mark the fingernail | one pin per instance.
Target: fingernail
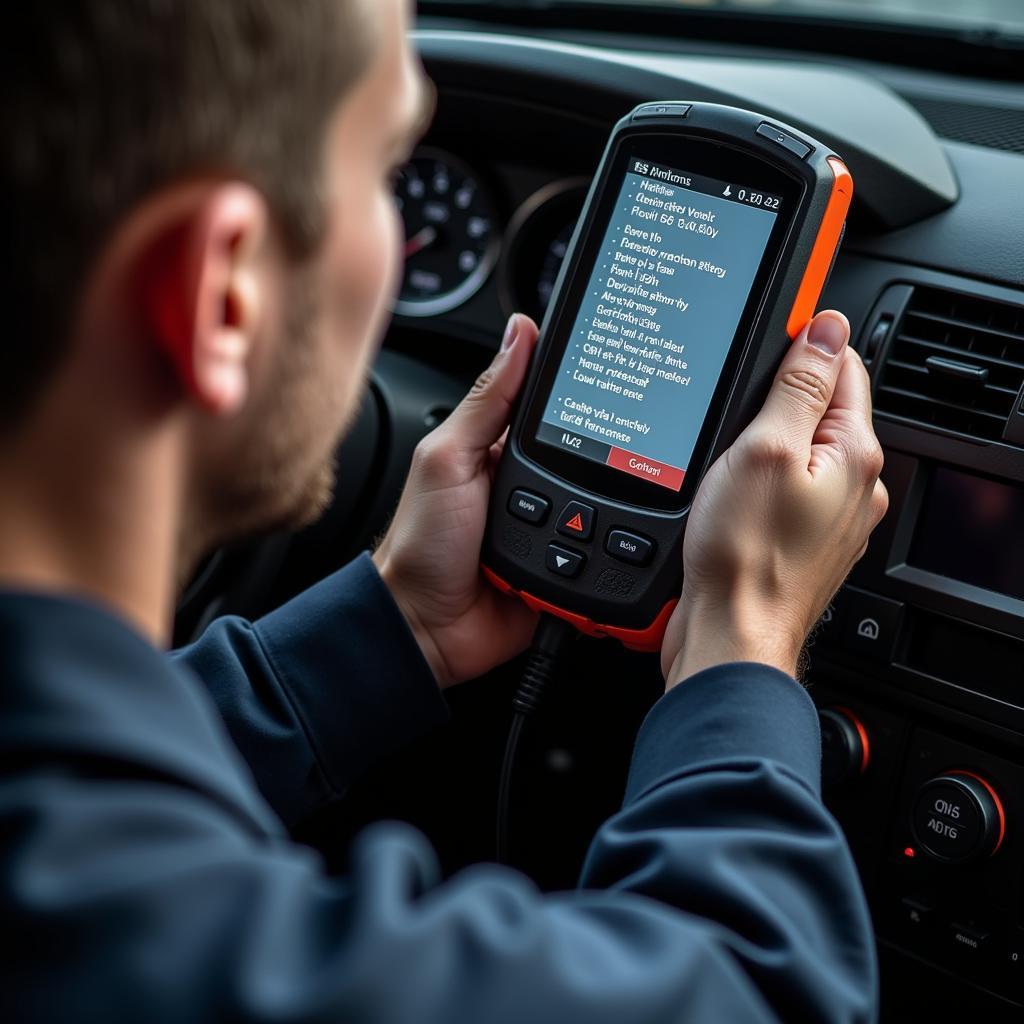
(827, 334)
(511, 333)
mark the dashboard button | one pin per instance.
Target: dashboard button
(629, 547)
(661, 110)
(577, 521)
(916, 914)
(564, 561)
(828, 629)
(970, 940)
(958, 818)
(531, 508)
(784, 139)
(845, 749)
(870, 624)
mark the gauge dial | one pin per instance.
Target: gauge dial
(551, 263)
(538, 240)
(451, 237)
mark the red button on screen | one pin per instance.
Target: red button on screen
(647, 469)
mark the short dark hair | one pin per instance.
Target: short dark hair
(106, 101)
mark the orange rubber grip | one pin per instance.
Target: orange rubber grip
(823, 251)
(648, 639)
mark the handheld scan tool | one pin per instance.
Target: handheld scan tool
(703, 247)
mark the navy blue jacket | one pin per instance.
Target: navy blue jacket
(146, 872)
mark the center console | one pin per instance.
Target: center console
(918, 666)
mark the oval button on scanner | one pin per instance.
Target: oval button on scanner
(661, 110)
(629, 547)
(782, 138)
(531, 508)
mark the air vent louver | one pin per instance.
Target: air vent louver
(956, 363)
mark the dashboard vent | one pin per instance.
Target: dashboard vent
(956, 363)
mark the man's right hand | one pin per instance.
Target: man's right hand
(783, 515)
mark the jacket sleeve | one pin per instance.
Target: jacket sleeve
(722, 892)
(314, 693)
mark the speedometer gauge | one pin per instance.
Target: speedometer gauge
(451, 237)
(538, 239)
(551, 263)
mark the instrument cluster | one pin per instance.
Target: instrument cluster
(456, 238)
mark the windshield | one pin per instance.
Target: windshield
(998, 16)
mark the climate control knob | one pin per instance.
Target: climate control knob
(958, 818)
(845, 750)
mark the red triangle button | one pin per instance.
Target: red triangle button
(576, 521)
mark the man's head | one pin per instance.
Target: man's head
(202, 232)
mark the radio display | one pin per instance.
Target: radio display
(971, 530)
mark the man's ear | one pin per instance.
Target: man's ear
(202, 294)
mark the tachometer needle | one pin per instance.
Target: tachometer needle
(420, 241)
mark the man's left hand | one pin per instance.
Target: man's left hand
(430, 556)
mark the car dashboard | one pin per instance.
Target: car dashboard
(918, 666)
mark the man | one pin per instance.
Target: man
(204, 249)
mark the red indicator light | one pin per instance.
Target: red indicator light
(909, 851)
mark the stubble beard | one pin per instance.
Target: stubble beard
(271, 485)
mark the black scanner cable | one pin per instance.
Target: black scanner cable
(551, 640)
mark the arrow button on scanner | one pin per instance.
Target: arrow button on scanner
(564, 561)
(576, 521)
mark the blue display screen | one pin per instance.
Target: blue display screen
(664, 299)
